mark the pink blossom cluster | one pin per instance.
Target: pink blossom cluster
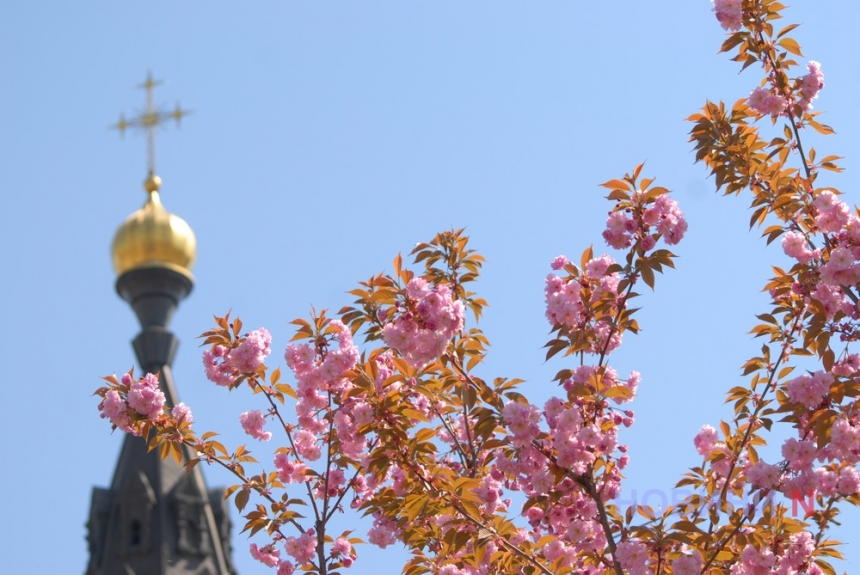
(633, 557)
(320, 371)
(845, 440)
(810, 85)
(114, 408)
(706, 440)
(797, 476)
(578, 432)
(342, 550)
(810, 390)
(420, 332)
(770, 102)
(728, 14)
(569, 302)
(224, 365)
(144, 397)
(290, 469)
(840, 266)
(384, 531)
(767, 103)
(646, 223)
(267, 555)
(687, 564)
(797, 246)
(831, 214)
(795, 558)
(302, 548)
(253, 422)
(182, 413)
(708, 446)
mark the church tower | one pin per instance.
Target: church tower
(156, 518)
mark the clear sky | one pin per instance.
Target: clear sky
(325, 138)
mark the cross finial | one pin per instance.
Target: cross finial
(150, 118)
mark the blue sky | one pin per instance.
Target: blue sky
(324, 139)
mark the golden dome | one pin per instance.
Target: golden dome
(152, 237)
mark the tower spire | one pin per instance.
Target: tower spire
(156, 519)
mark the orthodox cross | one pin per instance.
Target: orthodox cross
(149, 119)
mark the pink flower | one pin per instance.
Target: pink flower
(251, 353)
(849, 481)
(217, 371)
(705, 440)
(810, 85)
(558, 262)
(563, 303)
(794, 245)
(757, 561)
(669, 219)
(764, 475)
(848, 366)
(146, 397)
(342, 548)
(382, 534)
(286, 568)
(302, 548)
(840, 268)
(182, 412)
(267, 555)
(253, 422)
(766, 103)
(833, 214)
(633, 556)
(306, 445)
(618, 230)
(522, 420)
(290, 471)
(809, 390)
(115, 410)
(423, 335)
(687, 564)
(728, 14)
(845, 440)
(800, 550)
(799, 454)
(597, 267)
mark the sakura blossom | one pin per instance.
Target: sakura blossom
(146, 397)
(796, 246)
(253, 422)
(421, 334)
(767, 103)
(728, 13)
(810, 85)
(267, 555)
(303, 547)
(182, 413)
(809, 390)
(115, 409)
(633, 556)
(223, 365)
(705, 440)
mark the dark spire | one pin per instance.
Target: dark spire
(156, 518)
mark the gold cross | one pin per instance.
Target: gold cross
(149, 119)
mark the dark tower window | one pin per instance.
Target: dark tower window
(135, 531)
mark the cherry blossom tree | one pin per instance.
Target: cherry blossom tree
(470, 475)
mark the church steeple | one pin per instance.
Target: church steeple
(156, 519)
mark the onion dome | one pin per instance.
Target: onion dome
(152, 237)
